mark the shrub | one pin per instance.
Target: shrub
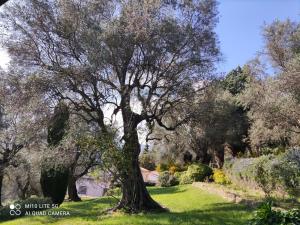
(161, 167)
(5, 211)
(114, 192)
(287, 171)
(280, 173)
(163, 179)
(220, 177)
(265, 215)
(263, 174)
(173, 181)
(173, 169)
(178, 175)
(198, 172)
(147, 161)
(166, 179)
(185, 178)
(54, 182)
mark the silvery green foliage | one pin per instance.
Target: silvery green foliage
(281, 42)
(273, 110)
(273, 102)
(23, 118)
(287, 170)
(271, 173)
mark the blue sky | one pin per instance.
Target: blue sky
(240, 26)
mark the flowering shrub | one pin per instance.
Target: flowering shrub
(173, 169)
(161, 167)
(220, 177)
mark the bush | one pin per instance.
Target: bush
(198, 172)
(287, 171)
(279, 173)
(166, 179)
(220, 177)
(5, 211)
(265, 215)
(173, 169)
(185, 178)
(173, 181)
(163, 179)
(54, 181)
(114, 192)
(263, 174)
(161, 167)
(147, 161)
(178, 175)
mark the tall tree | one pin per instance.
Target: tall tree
(274, 101)
(282, 42)
(235, 81)
(87, 145)
(117, 54)
(21, 123)
(9, 148)
(54, 175)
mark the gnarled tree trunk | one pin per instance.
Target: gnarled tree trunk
(135, 196)
(72, 190)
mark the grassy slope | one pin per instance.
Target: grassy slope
(187, 204)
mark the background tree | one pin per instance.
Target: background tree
(85, 145)
(147, 160)
(282, 42)
(219, 122)
(235, 81)
(55, 173)
(21, 123)
(274, 101)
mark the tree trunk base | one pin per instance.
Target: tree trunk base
(74, 199)
(72, 190)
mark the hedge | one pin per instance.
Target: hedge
(270, 173)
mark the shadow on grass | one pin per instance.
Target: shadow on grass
(89, 208)
(216, 214)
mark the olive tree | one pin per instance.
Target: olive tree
(138, 60)
(20, 123)
(273, 102)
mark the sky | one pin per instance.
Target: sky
(240, 28)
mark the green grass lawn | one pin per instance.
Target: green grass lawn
(187, 205)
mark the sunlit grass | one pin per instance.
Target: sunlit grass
(187, 205)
